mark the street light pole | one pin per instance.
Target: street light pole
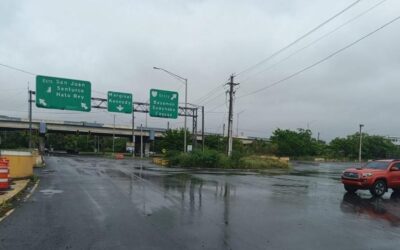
(185, 123)
(185, 81)
(359, 151)
(30, 118)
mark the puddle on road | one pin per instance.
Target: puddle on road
(51, 192)
(290, 185)
(48, 172)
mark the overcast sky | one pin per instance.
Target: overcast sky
(115, 44)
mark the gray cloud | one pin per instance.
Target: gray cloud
(115, 44)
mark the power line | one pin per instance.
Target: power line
(322, 60)
(30, 73)
(210, 93)
(17, 69)
(216, 112)
(316, 40)
(219, 105)
(12, 90)
(54, 113)
(203, 104)
(300, 38)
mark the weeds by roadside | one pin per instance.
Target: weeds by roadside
(215, 159)
(13, 202)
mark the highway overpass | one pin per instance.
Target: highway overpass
(77, 127)
(15, 123)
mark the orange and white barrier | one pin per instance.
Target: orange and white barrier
(4, 174)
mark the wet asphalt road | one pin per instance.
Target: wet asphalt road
(93, 203)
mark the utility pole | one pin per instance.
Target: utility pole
(230, 115)
(223, 130)
(359, 151)
(30, 117)
(194, 128)
(168, 125)
(318, 138)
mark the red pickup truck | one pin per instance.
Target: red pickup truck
(376, 176)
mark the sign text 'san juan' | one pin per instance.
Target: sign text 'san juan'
(61, 93)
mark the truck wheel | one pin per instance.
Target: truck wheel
(350, 189)
(379, 188)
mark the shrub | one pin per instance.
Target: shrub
(197, 158)
(256, 162)
(214, 159)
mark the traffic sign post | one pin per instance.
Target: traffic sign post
(163, 103)
(61, 93)
(119, 102)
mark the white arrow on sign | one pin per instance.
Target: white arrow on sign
(173, 96)
(83, 105)
(42, 102)
(120, 108)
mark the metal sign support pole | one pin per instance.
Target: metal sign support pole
(133, 132)
(30, 118)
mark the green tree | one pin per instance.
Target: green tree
(173, 140)
(294, 143)
(374, 147)
(215, 142)
(16, 139)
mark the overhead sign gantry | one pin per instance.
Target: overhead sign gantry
(75, 95)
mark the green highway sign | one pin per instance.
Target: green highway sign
(61, 93)
(119, 102)
(163, 103)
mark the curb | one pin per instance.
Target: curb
(12, 198)
(32, 190)
(7, 214)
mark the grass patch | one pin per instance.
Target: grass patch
(215, 159)
(5, 207)
(14, 201)
(196, 159)
(34, 178)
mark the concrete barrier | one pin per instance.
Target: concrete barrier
(21, 163)
(282, 159)
(160, 161)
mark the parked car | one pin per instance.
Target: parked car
(376, 176)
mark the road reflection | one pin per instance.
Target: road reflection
(373, 207)
(187, 191)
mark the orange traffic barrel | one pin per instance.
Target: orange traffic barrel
(4, 174)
